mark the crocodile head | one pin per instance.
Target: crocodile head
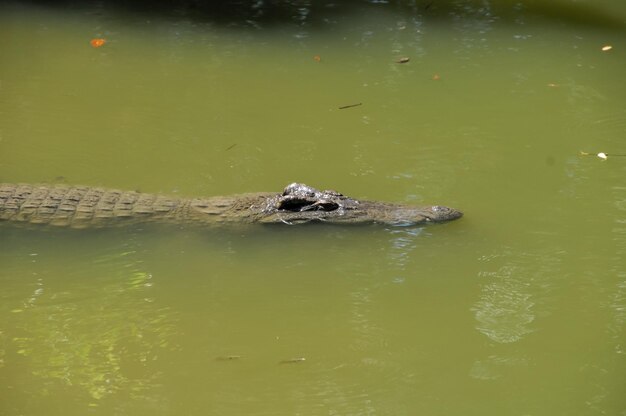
(301, 203)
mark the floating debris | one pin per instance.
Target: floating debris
(403, 60)
(602, 155)
(436, 77)
(606, 48)
(553, 85)
(96, 43)
(343, 107)
(317, 58)
(229, 357)
(293, 360)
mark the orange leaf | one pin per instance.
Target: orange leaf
(96, 43)
(317, 58)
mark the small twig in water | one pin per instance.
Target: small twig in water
(292, 360)
(228, 357)
(230, 147)
(350, 106)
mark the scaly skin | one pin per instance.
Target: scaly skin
(82, 207)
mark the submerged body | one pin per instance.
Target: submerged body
(82, 207)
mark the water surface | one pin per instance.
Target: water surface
(518, 308)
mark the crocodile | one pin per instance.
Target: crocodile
(93, 207)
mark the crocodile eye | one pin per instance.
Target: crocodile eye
(300, 189)
(289, 189)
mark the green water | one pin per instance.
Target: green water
(519, 308)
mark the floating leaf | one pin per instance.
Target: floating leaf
(96, 43)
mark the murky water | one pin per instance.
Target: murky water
(518, 308)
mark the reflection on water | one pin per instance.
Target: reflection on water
(513, 285)
(403, 243)
(494, 367)
(101, 335)
(617, 296)
(617, 303)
